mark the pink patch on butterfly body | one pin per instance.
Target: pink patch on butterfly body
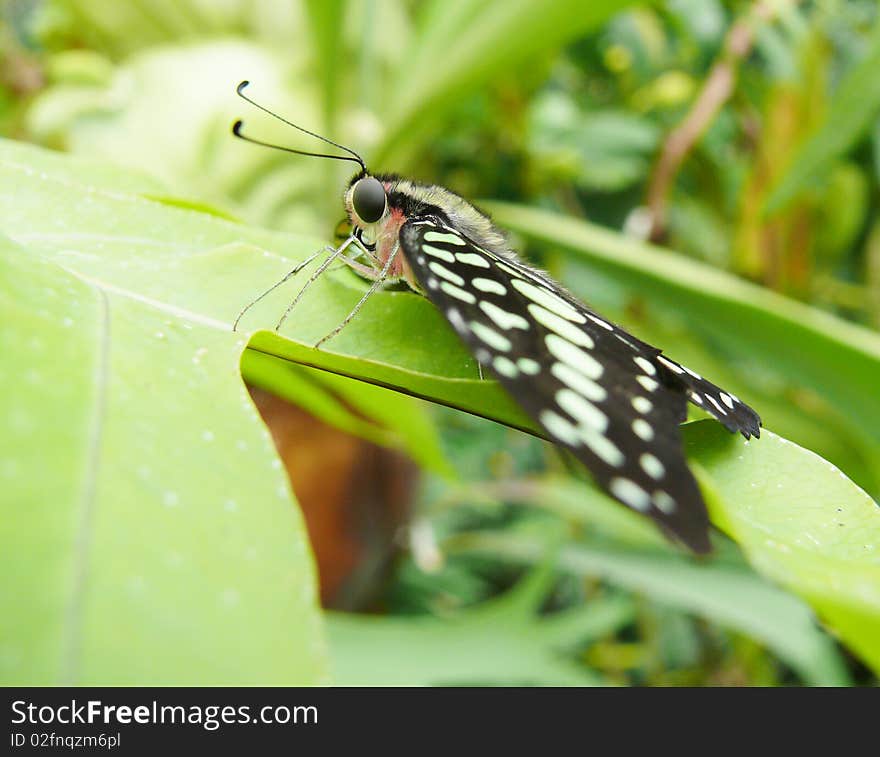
(387, 241)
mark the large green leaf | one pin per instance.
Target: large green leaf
(802, 523)
(502, 641)
(148, 531)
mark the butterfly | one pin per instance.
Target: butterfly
(612, 400)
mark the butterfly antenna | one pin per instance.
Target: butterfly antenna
(236, 130)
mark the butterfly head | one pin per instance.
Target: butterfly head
(376, 211)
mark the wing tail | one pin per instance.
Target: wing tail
(734, 414)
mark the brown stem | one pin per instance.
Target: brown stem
(715, 92)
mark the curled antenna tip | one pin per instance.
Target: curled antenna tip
(236, 127)
(241, 85)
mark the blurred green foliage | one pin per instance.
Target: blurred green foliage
(564, 106)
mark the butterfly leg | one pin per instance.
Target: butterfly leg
(334, 254)
(378, 281)
(368, 272)
(299, 266)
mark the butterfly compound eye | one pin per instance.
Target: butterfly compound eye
(369, 199)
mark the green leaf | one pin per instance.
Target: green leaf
(606, 150)
(301, 387)
(148, 532)
(802, 523)
(875, 148)
(185, 141)
(850, 113)
(407, 418)
(121, 29)
(572, 499)
(728, 595)
(371, 412)
(501, 641)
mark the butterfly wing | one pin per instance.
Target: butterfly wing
(733, 413)
(593, 388)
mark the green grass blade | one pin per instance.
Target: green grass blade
(730, 596)
(450, 60)
(850, 113)
(325, 19)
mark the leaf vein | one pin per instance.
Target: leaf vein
(74, 615)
